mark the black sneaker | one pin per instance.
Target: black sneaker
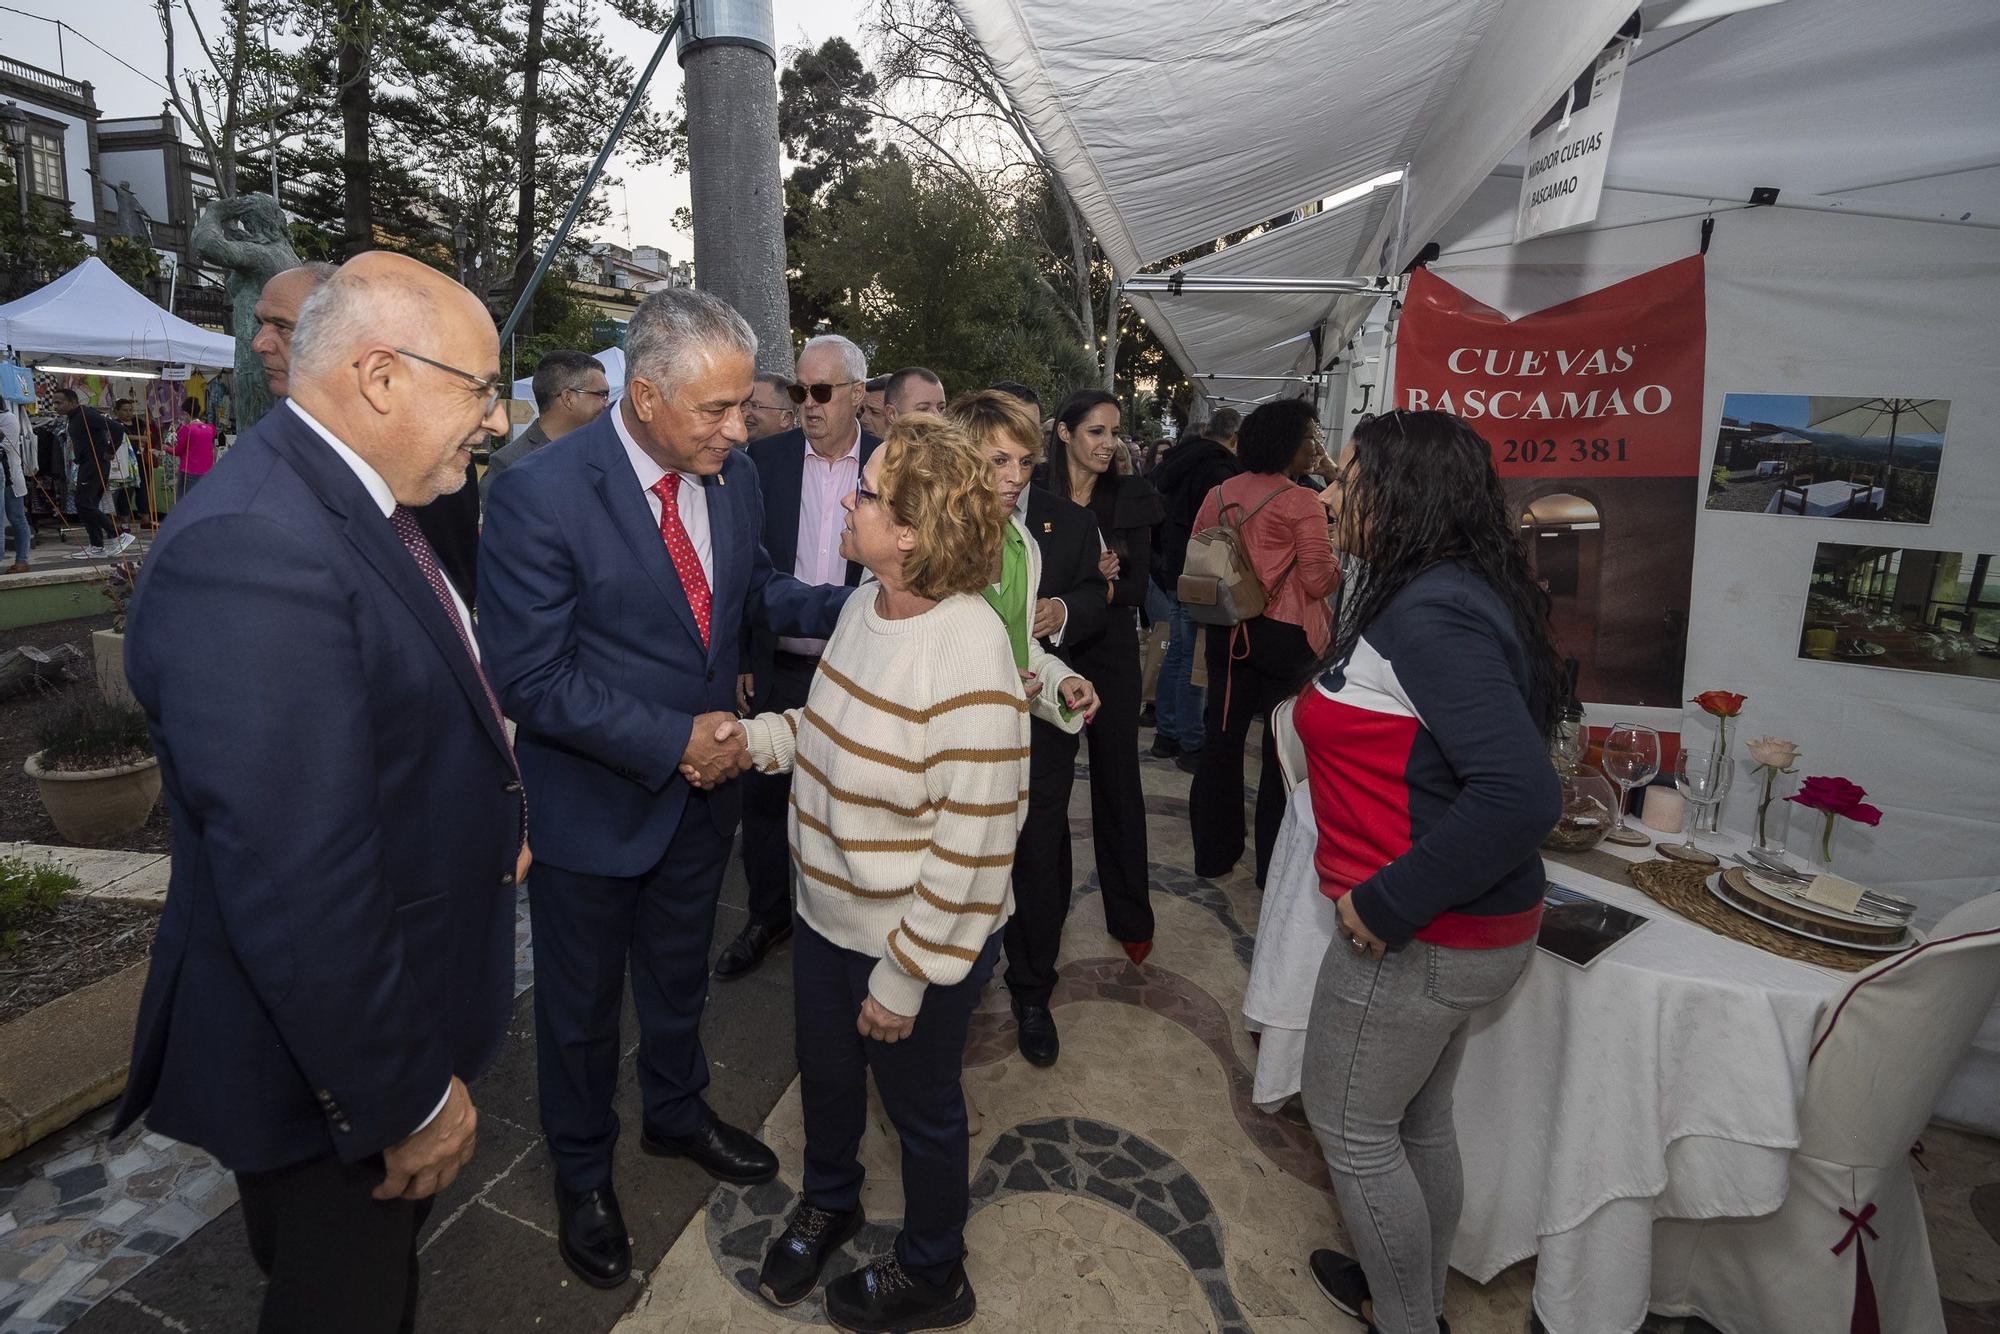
(1148, 715)
(880, 1298)
(1340, 1280)
(792, 1265)
(1164, 747)
(1188, 761)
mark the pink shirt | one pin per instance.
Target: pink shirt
(1288, 532)
(194, 446)
(823, 485)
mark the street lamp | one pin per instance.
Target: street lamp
(14, 122)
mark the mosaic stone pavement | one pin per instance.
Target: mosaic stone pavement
(80, 1213)
(1134, 1187)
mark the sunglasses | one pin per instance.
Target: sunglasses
(821, 393)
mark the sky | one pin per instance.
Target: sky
(128, 30)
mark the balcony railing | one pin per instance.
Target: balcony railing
(30, 74)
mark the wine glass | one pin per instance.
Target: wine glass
(1703, 779)
(1631, 757)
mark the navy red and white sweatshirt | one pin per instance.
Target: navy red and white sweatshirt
(1431, 782)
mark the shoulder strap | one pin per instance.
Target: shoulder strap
(1252, 512)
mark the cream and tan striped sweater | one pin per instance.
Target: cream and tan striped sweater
(909, 786)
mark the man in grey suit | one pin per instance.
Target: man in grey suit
(570, 391)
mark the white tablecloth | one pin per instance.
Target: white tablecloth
(1829, 498)
(1770, 467)
(1662, 1081)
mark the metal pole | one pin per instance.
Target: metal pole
(590, 181)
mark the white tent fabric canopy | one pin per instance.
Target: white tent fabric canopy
(611, 358)
(1171, 135)
(93, 314)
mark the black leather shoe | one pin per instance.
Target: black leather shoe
(792, 1265)
(1148, 715)
(880, 1298)
(743, 954)
(719, 1149)
(1164, 747)
(590, 1233)
(1035, 1031)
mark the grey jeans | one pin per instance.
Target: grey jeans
(1382, 1050)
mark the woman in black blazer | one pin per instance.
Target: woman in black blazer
(1082, 468)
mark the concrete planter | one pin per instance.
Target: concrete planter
(107, 650)
(94, 805)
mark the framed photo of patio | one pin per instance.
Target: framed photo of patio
(1904, 608)
(1827, 457)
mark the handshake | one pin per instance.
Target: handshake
(717, 750)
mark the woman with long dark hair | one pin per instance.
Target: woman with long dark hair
(1083, 468)
(1253, 666)
(1425, 728)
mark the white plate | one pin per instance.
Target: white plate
(1794, 893)
(1911, 937)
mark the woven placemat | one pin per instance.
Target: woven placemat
(1681, 887)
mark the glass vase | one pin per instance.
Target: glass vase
(1774, 812)
(1817, 840)
(1708, 819)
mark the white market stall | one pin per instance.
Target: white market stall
(1877, 272)
(90, 313)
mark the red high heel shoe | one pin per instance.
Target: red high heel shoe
(1137, 950)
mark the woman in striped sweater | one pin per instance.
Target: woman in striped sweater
(910, 776)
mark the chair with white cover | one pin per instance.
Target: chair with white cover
(1847, 1251)
(1291, 749)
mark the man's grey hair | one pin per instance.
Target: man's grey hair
(675, 330)
(1225, 423)
(853, 361)
(348, 308)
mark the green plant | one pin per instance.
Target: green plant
(87, 731)
(29, 891)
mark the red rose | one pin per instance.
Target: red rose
(1864, 814)
(1836, 796)
(1721, 703)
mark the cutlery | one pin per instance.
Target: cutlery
(1886, 904)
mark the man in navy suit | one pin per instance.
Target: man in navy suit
(805, 475)
(336, 955)
(617, 570)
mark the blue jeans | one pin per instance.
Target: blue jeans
(1178, 701)
(17, 524)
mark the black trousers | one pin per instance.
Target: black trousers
(1043, 876)
(89, 494)
(336, 1260)
(767, 852)
(1279, 655)
(585, 927)
(919, 1082)
(1117, 801)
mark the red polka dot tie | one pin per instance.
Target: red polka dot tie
(679, 546)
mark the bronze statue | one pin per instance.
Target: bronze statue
(247, 237)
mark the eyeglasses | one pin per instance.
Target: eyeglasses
(594, 393)
(862, 493)
(491, 385)
(752, 405)
(821, 393)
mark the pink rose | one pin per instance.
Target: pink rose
(1773, 752)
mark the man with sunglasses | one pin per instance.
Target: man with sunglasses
(805, 474)
(570, 391)
(330, 973)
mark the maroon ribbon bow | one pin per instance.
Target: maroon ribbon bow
(1866, 1318)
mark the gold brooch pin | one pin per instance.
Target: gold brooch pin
(1048, 527)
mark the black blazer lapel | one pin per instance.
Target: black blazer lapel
(632, 515)
(729, 581)
(783, 483)
(375, 538)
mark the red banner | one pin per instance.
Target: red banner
(1593, 410)
(1607, 385)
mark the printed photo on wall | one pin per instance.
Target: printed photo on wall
(1829, 458)
(1905, 608)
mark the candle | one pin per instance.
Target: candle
(1664, 810)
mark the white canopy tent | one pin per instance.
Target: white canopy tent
(611, 358)
(92, 314)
